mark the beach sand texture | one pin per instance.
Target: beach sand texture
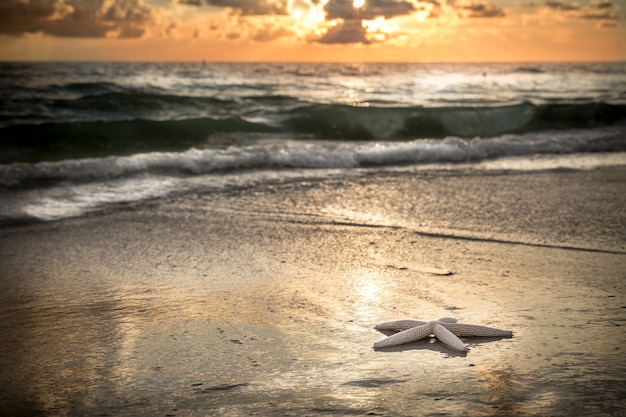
(263, 300)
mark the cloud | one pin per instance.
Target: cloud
(269, 33)
(602, 4)
(245, 7)
(482, 9)
(334, 9)
(601, 15)
(559, 5)
(476, 8)
(607, 25)
(597, 10)
(350, 31)
(127, 11)
(343, 9)
(75, 18)
(351, 28)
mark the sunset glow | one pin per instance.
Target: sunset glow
(313, 30)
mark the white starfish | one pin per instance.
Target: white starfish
(446, 330)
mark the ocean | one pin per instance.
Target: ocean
(78, 137)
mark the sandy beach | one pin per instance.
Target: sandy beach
(263, 300)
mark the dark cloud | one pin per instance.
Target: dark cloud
(245, 7)
(129, 11)
(597, 10)
(34, 9)
(559, 5)
(75, 18)
(350, 31)
(343, 9)
(600, 10)
(483, 10)
(600, 16)
(477, 8)
(602, 4)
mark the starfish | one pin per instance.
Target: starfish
(446, 330)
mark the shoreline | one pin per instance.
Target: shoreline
(264, 299)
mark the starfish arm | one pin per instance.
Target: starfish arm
(414, 333)
(447, 320)
(400, 325)
(474, 330)
(447, 337)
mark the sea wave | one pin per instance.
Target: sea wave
(529, 70)
(140, 101)
(292, 154)
(53, 141)
(88, 88)
(364, 122)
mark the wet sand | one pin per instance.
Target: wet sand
(263, 301)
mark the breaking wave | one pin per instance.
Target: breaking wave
(73, 140)
(293, 154)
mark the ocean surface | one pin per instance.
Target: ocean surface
(77, 137)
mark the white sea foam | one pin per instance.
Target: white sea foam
(293, 154)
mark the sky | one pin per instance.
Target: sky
(313, 30)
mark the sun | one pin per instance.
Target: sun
(358, 3)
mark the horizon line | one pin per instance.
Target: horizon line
(205, 61)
